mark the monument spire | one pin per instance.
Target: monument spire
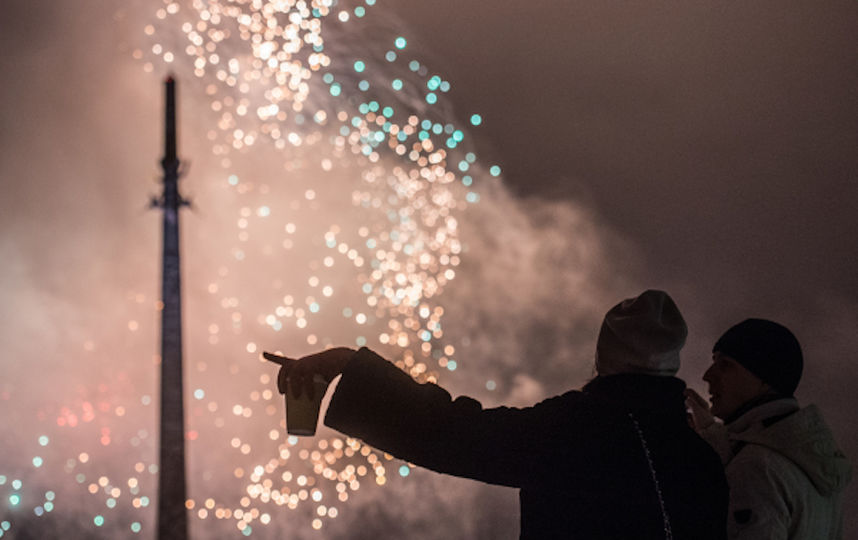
(172, 516)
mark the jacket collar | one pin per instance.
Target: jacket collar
(758, 414)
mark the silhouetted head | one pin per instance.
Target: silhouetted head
(641, 335)
(752, 359)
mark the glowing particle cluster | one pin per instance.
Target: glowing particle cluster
(353, 241)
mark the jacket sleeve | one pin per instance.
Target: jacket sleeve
(758, 498)
(420, 423)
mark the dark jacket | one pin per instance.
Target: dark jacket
(582, 459)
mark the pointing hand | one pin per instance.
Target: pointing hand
(297, 375)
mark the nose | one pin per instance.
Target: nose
(707, 376)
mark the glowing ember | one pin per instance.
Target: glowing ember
(353, 241)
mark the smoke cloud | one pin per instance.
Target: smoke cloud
(79, 154)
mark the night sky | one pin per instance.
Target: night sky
(704, 148)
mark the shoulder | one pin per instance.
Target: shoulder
(561, 406)
(756, 455)
(556, 417)
(756, 466)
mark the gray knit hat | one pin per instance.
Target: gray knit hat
(641, 335)
(766, 349)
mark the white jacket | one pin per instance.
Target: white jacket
(786, 478)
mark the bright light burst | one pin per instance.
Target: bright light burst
(351, 241)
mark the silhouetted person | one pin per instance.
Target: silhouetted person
(615, 460)
(785, 471)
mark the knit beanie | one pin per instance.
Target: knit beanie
(766, 349)
(641, 335)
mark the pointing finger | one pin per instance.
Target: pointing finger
(277, 359)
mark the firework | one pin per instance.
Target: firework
(350, 239)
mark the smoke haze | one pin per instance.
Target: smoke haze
(703, 149)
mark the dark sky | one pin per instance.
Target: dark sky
(720, 135)
(707, 148)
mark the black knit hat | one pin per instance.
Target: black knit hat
(766, 349)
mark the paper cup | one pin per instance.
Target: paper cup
(302, 413)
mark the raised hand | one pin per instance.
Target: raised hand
(700, 415)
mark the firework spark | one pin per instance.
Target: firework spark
(356, 235)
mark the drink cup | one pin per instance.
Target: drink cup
(302, 413)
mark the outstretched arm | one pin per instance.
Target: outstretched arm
(421, 423)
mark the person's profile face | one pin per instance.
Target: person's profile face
(731, 385)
